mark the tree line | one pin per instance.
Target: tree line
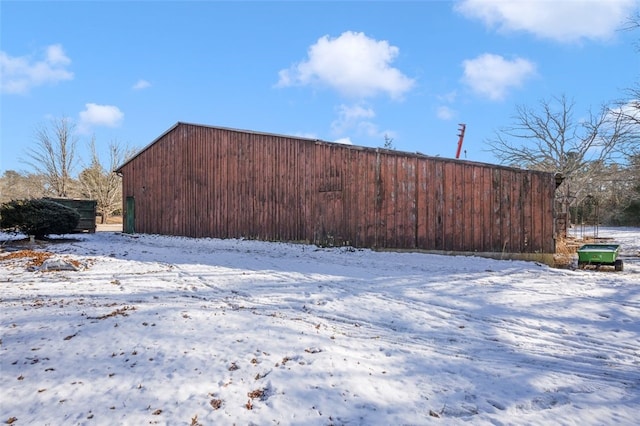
(54, 162)
(597, 155)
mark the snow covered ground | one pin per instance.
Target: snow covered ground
(169, 330)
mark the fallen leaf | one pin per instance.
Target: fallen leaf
(258, 393)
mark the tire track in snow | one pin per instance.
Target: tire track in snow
(591, 357)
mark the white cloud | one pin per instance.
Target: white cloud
(353, 64)
(629, 110)
(445, 113)
(357, 120)
(99, 115)
(56, 55)
(305, 135)
(353, 117)
(492, 75)
(449, 97)
(632, 109)
(141, 84)
(563, 21)
(344, 141)
(18, 75)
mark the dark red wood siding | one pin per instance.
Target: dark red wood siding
(204, 181)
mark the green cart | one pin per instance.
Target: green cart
(598, 255)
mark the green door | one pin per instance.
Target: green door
(129, 216)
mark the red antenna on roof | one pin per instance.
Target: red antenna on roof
(460, 138)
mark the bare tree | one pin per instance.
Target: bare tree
(54, 155)
(629, 110)
(552, 140)
(104, 185)
(621, 187)
(15, 185)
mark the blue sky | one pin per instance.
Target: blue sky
(338, 71)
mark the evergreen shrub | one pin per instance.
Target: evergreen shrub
(38, 217)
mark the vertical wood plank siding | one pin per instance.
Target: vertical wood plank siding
(204, 181)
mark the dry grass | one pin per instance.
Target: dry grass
(566, 249)
(32, 259)
(114, 220)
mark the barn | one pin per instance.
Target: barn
(205, 181)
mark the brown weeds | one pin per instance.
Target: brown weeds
(34, 258)
(256, 394)
(122, 311)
